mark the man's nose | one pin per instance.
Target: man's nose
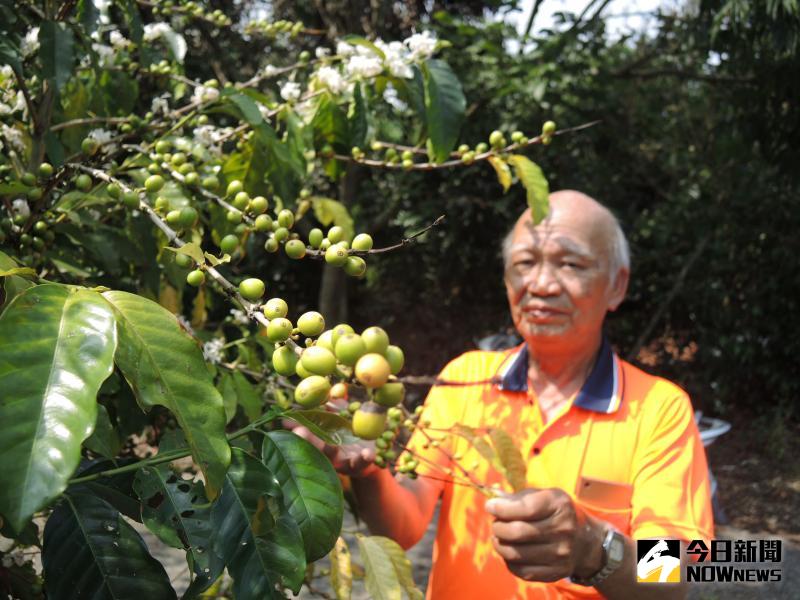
(542, 280)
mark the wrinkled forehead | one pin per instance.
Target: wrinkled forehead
(576, 235)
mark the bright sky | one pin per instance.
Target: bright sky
(620, 13)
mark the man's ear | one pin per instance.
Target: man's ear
(619, 288)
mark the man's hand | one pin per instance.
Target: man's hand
(543, 536)
(355, 460)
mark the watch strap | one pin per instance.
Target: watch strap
(609, 565)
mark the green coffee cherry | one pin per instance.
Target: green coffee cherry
(271, 245)
(396, 358)
(311, 323)
(229, 244)
(45, 170)
(338, 331)
(276, 308)
(284, 361)
(375, 339)
(211, 183)
(130, 199)
(372, 370)
(281, 234)
(363, 242)
(336, 256)
(318, 360)
(184, 261)
(315, 237)
(83, 182)
(195, 278)
(355, 266)
(258, 205)
(325, 340)
(349, 348)
(312, 391)
(234, 187)
(252, 289)
(295, 249)
(390, 394)
(154, 183)
(279, 329)
(549, 128)
(241, 200)
(89, 146)
(263, 223)
(28, 178)
(234, 217)
(188, 217)
(336, 234)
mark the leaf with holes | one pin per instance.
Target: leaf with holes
(165, 367)
(341, 570)
(173, 509)
(90, 551)
(56, 348)
(311, 489)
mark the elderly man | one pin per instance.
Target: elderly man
(612, 454)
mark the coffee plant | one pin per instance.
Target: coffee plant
(132, 195)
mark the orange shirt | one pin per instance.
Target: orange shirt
(626, 448)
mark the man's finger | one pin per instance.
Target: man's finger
(528, 505)
(544, 554)
(521, 532)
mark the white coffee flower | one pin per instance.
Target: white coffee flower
(205, 94)
(270, 71)
(184, 322)
(20, 207)
(422, 45)
(240, 317)
(14, 137)
(119, 41)
(102, 7)
(6, 71)
(103, 136)
(160, 105)
(30, 43)
(212, 351)
(153, 31)
(105, 54)
(290, 91)
(344, 49)
(322, 52)
(362, 66)
(332, 79)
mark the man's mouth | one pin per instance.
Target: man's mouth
(538, 313)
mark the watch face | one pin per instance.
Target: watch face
(616, 550)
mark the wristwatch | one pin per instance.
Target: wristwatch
(613, 553)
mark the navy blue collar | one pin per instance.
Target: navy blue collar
(602, 391)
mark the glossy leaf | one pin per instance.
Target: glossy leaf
(312, 492)
(90, 551)
(341, 570)
(116, 489)
(104, 439)
(165, 367)
(11, 284)
(536, 187)
(510, 458)
(175, 511)
(56, 348)
(57, 45)
(260, 543)
(444, 107)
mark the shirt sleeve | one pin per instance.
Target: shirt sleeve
(671, 490)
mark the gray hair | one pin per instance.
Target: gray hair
(620, 250)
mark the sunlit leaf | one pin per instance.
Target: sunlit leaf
(510, 458)
(536, 187)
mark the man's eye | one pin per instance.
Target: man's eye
(572, 265)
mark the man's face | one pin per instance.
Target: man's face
(558, 278)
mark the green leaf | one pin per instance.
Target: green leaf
(248, 396)
(104, 439)
(327, 426)
(536, 187)
(510, 458)
(116, 489)
(357, 118)
(283, 170)
(173, 509)
(12, 284)
(229, 398)
(88, 15)
(56, 348)
(502, 170)
(57, 41)
(19, 271)
(311, 489)
(249, 167)
(257, 557)
(192, 250)
(330, 124)
(341, 570)
(247, 108)
(217, 260)
(444, 107)
(90, 551)
(332, 212)
(165, 367)
(387, 569)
